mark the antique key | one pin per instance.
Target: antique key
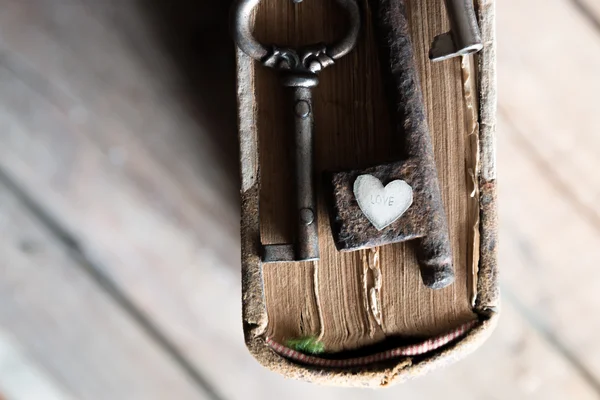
(397, 201)
(298, 69)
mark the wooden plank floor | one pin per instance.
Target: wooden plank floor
(119, 267)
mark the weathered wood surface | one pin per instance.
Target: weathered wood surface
(549, 105)
(68, 324)
(22, 378)
(128, 144)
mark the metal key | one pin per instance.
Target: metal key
(464, 36)
(298, 69)
(424, 220)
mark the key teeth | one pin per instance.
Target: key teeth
(442, 48)
(277, 253)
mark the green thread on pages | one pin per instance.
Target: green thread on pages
(309, 344)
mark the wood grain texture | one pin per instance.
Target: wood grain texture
(561, 129)
(550, 119)
(22, 378)
(353, 131)
(68, 325)
(88, 49)
(537, 280)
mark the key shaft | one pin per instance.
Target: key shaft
(307, 235)
(425, 220)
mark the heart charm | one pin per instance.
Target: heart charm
(382, 205)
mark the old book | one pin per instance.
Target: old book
(368, 309)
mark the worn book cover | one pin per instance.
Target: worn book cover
(365, 317)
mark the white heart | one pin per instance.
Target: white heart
(382, 205)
